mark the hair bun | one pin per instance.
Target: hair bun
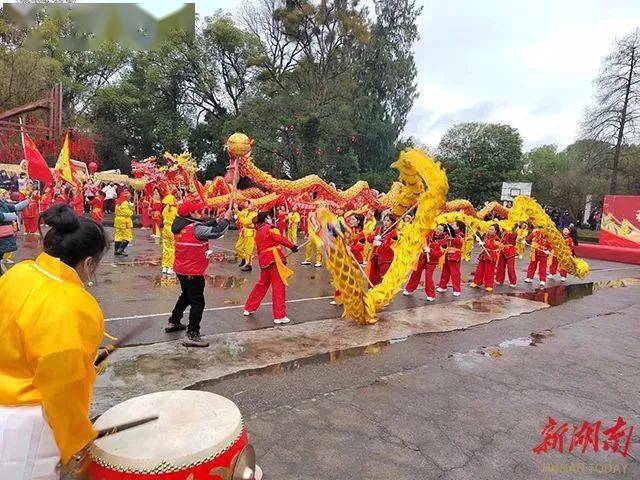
(62, 218)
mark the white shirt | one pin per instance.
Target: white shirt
(109, 192)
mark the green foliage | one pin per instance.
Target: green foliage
(478, 158)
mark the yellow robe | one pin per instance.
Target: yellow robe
(247, 238)
(122, 223)
(169, 214)
(51, 329)
(292, 231)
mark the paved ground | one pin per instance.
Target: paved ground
(456, 405)
(465, 404)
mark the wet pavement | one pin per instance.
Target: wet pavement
(132, 289)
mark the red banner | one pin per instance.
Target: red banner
(621, 221)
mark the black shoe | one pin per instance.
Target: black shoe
(194, 340)
(246, 268)
(174, 327)
(242, 263)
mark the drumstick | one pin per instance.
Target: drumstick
(485, 250)
(109, 349)
(125, 426)
(407, 211)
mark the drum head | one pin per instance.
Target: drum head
(192, 427)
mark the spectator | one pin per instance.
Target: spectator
(22, 182)
(110, 195)
(597, 217)
(573, 232)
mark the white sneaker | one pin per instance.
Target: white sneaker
(456, 294)
(305, 262)
(317, 265)
(528, 280)
(563, 279)
(246, 313)
(170, 272)
(407, 293)
(551, 276)
(441, 290)
(542, 284)
(333, 302)
(164, 270)
(430, 299)
(513, 285)
(280, 321)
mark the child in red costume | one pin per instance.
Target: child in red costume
(281, 224)
(553, 268)
(540, 251)
(489, 248)
(453, 256)
(47, 199)
(507, 258)
(30, 214)
(273, 270)
(434, 249)
(156, 213)
(97, 207)
(382, 240)
(145, 211)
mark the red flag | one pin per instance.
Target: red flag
(36, 166)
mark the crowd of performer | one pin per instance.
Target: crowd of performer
(370, 236)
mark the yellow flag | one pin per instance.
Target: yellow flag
(63, 166)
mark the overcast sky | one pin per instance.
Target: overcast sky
(526, 63)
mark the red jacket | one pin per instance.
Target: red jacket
(282, 222)
(438, 245)
(383, 253)
(570, 244)
(31, 210)
(539, 243)
(356, 245)
(190, 257)
(509, 240)
(266, 241)
(454, 247)
(489, 251)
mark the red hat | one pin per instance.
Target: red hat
(187, 208)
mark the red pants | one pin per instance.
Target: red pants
(553, 268)
(450, 270)
(146, 219)
(429, 284)
(30, 224)
(377, 271)
(269, 277)
(539, 263)
(485, 273)
(508, 264)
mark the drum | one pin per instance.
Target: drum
(197, 436)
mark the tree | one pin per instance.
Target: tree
(616, 116)
(479, 157)
(386, 90)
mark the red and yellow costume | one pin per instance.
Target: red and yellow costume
(281, 223)
(47, 199)
(451, 266)
(381, 255)
(311, 249)
(507, 259)
(273, 271)
(485, 272)
(540, 251)
(31, 214)
(78, 202)
(156, 217)
(122, 222)
(553, 268)
(428, 262)
(97, 208)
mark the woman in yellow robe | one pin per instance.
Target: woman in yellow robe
(122, 223)
(169, 213)
(246, 243)
(51, 328)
